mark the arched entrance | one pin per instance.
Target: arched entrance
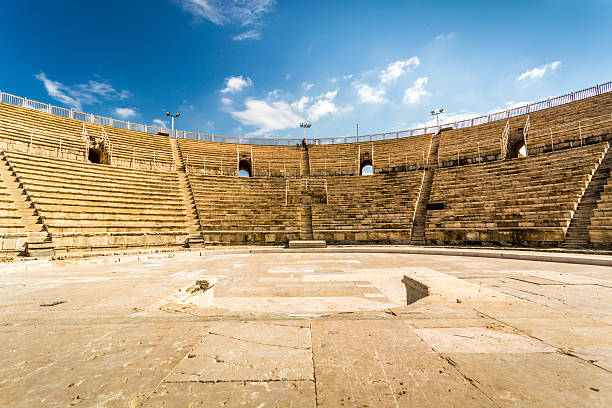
(95, 156)
(244, 168)
(366, 168)
(518, 149)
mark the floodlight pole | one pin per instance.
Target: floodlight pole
(176, 115)
(305, 126)
(437, 114)
(357, 131)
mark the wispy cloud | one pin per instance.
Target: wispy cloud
(161, 123)
(125, 113)
(76, 96)
(414, 94)
(539, 72)
(445, 36)
(238, 13)
(248, 35)
(307, 86)
(236, 84)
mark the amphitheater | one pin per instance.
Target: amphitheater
(471, 268)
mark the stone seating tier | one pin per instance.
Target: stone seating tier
(245, 210)
(17, 124)
(89, 206)
(213, 158)
(488, 136)
(401, 154)
(520, 201)
(361, 209)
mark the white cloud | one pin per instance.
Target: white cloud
(248, 35)
(226, 101)
(367, 94)
(125, 113)
(301, 103)
(349, 76)
(414, 94)
(307, 86)
(445, 36)
(390, 74)
(271, 116)
(287, 77)
(161, 123)
(239, 13)
(235, 84)
(333, 80)
(76, 96)
(267, 117)
(323, 106)
(395, 69)
(539, 72)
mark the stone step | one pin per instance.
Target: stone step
(40, 249)
(297, 244)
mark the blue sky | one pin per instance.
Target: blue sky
(260, 67)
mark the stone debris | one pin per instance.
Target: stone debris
(57, 302)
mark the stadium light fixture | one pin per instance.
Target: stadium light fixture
(305, 126)
(437, 114)
(176, 115)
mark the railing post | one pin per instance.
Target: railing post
(552, 142)
(326, 195)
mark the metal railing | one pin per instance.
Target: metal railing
(121, 124)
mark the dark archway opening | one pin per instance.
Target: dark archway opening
(366, 168)
(95, 156)
(518, 150)
(244, 168)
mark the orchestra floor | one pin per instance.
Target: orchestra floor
(304, 330)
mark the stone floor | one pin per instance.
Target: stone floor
(304, 330)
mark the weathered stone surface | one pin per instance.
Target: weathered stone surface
(296, 328)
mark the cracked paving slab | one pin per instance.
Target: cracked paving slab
(260, 352)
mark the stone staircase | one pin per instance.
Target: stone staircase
(577, 235)
(39, 241)
(420, 218)
(192, 217)
(305, 163)
(306, 221)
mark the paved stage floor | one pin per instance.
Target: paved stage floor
(305, 330)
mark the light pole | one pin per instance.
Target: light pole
(305, 126)
(176, 115)
(357, 131)
(438, 113)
